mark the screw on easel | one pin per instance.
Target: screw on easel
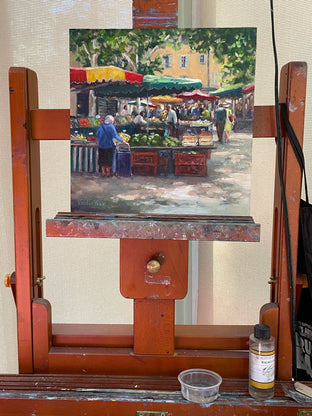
(39, 280)
(9, 279)
(272, 280)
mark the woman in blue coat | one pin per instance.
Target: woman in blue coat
(106, 134)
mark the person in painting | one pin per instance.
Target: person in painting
(195, 111)
(183, 112)
(171, 119)
(134, 111)
(220, 118)
(139, 121)
(201, 109)
(157, 111)
(228, 124)
(124, 112)
(106, 134)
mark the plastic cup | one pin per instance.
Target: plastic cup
(199, 385)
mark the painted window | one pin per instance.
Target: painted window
(215, 76)
(183, 61)
(203, 59)
(167, 61)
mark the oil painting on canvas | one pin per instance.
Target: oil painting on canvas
(161, 120)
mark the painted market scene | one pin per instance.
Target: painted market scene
(161, 120)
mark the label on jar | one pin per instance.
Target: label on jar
(262, 368)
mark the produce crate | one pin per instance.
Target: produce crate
(144, 170)
(144, 163)
(190, 164)
(146, 158)
(191, 170)
(205, 138)
(189, 159)
(189, 140)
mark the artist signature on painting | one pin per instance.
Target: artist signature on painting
(90, 202)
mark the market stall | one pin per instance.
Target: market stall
(234, 93)
(248, 100)
(197, 95)
(115, 83)
(86, 77)
(229, 91)
(153, 152)
(149, 160)
(191, 125)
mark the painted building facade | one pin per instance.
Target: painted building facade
(188, 64)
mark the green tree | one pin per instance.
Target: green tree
(130, 50)
(233, 48)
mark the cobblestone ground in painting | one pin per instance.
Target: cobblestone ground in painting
(225, 190)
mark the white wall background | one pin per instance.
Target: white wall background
(82, 275)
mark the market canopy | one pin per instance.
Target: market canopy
(197, 95)
(110, 81)
(152, 85)
(166, 99)
(106, 81)
(229, 91)
(164, 85)
(249, 88)
(80, 76)
(142, 102)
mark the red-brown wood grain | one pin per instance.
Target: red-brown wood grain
(170, 282)
(41, 121)
(207, 337)
(154, 326)
(82, 359)
(27, 206)
(151, 13)
(292, 92)
(57, 395)
(269, 315)
(154, 293)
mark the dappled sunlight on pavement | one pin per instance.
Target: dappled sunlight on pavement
(224, 191)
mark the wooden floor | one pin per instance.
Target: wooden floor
(119, 395)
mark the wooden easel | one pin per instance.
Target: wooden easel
(153, 351)
(45, 347)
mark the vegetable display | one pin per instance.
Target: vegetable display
(141, 139)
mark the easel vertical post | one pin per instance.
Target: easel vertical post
(27, 206)
(292, 92)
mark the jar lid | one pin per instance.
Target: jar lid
(262, 331)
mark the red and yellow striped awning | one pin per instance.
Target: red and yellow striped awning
(103, 74)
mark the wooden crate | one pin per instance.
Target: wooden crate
(189, 159)
(144, 170)
(144, 163)
(191, 170)
(190, 164)
(205, 138)
(189, 140)
(146, 158)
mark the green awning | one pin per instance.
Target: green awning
(163, 85)
(229, 91)
(152, 85)
(119, 90)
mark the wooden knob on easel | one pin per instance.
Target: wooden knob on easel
(154, 264)
(7, 280)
